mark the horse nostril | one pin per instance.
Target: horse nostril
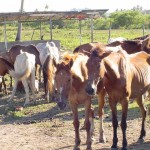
(90, 91)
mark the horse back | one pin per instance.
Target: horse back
(15, 50)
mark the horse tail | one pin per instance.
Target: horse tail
(25, 73)
(48, 74)
(8, 64)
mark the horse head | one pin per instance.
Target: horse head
(62, 82)
(146, 45)
(95, 70)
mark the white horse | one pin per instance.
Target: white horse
(49, 54)
(24, 70)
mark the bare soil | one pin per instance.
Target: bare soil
(53, 130)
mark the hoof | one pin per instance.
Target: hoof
(102, 140)
(114, 148)
(26, 104)
(124, 149)
(140, 141)
(93, 139)
(76, 148)
(89, 148)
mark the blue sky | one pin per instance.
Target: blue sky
(66, 5)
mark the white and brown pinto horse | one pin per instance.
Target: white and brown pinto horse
(128, 74)
(24, 70)
(16, 50)
(48, 54)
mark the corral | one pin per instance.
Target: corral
(45, 127)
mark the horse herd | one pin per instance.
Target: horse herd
(120, 69)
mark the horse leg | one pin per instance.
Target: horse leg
(140, 102)
(1, 82)
(91, 118)
(32, 85)
(10, 82)
(46, 86)
(124, 104)
(5, 88)
(88, 125)
(101, 103)
(40, 75)
(26, 87)
(14, 90)
(114, 122)
(76, 126)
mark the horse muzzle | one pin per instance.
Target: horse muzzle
(90, 91)
(61, 105)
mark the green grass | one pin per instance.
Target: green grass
(69, 38)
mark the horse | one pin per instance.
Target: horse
(48, 52)
(15, 50)
(128, 74)
(24, 70)
(70, 81)
(5, 67)
(132, 46)
(88, 47)
(142, 37)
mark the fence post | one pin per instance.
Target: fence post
(109, 33)
(51, 36)
(92, 27)
(80, 36)
(143, 27)
(5, 36)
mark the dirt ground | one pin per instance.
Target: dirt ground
(54, 131)
(61, 136)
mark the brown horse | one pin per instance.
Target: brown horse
(70, 82)
(5, 66)
(128, 74)
(89, 47)
(132, 46)
(142, 37)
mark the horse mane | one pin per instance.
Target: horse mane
(100, 54)
(9, 65)
(138, 42)
(142, 37)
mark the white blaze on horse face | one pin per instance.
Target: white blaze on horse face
(60, 91)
